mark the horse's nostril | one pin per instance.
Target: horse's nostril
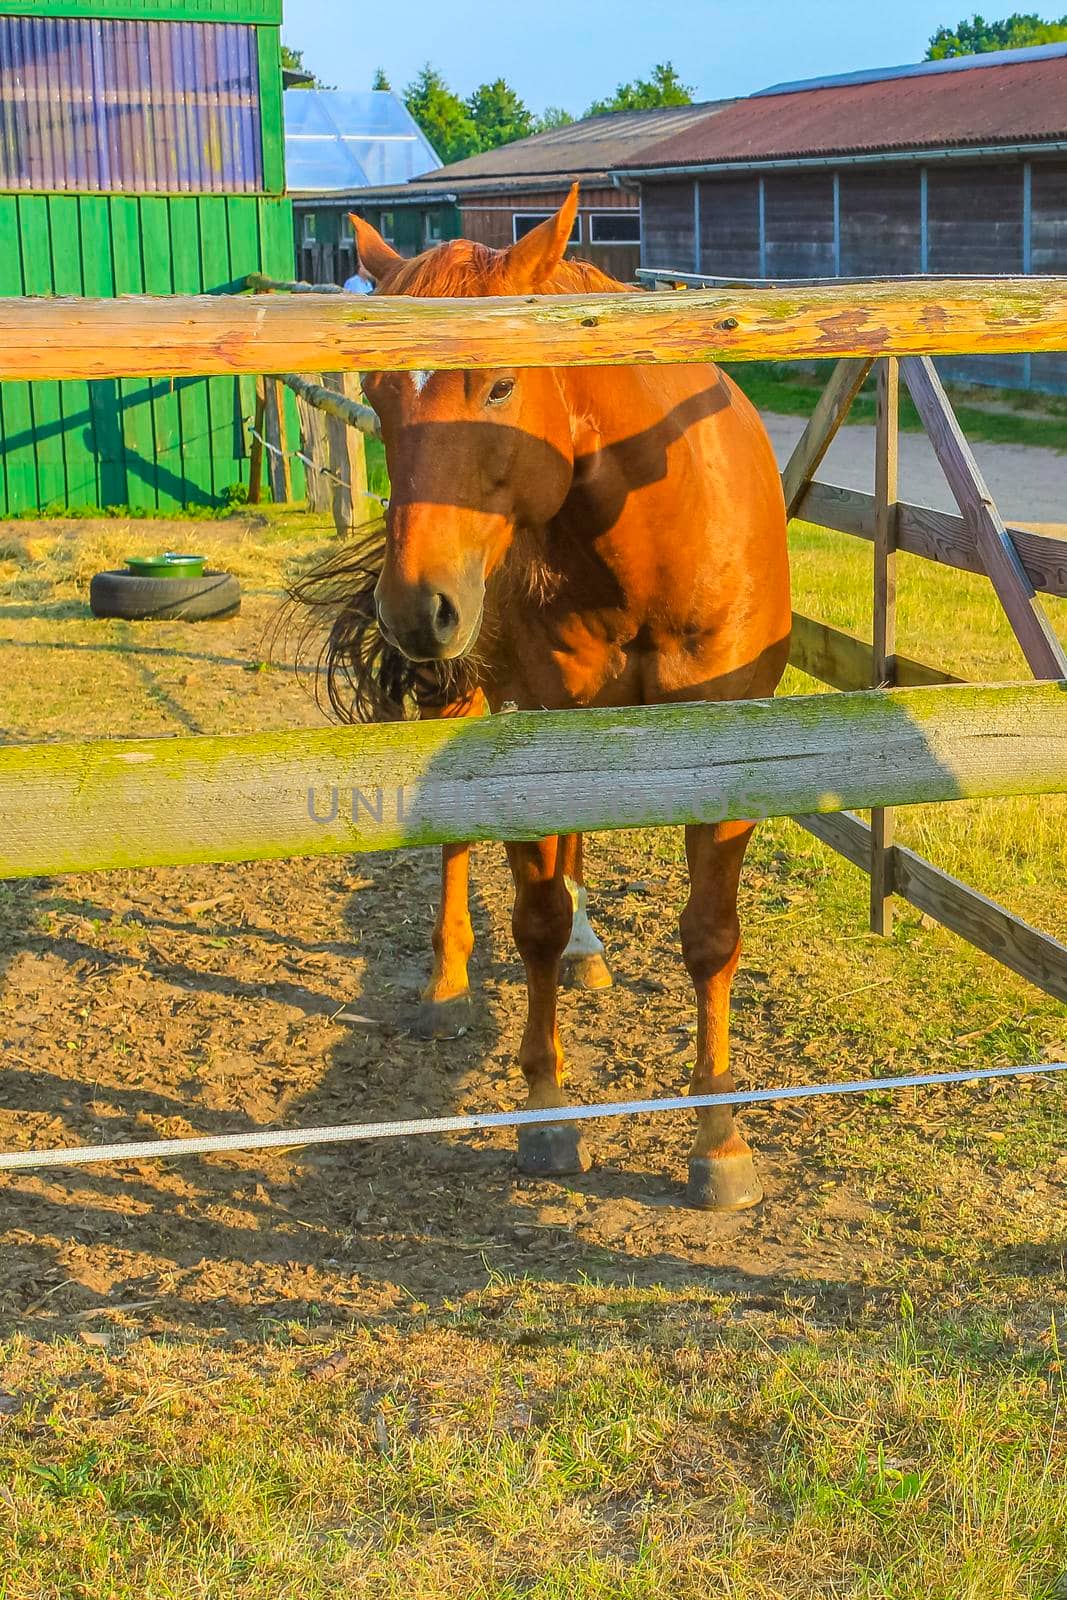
(445, 618)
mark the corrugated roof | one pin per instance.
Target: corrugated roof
(1010, 103)
(340, 140)
(592, 145)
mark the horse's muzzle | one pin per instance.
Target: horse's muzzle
(429, 624)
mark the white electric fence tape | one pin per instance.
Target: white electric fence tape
(291, 1138)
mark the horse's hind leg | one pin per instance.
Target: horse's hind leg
(584, 966)
(541, 922)
(721, 1173)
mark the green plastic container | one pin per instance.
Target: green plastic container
(169, 565)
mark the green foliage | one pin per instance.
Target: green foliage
(498, 114)
(663, 88)
(293, 61)
(442, 116)
(380, 79)
(973, 36)
(552, 117)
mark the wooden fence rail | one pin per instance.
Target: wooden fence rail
(152, 802)
(183, 336)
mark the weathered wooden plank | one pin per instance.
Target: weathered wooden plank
(1034, 955)
(255, 453)
(333, 402)
(939, 536)
(318, 488)
(1044, 652)
(846, 662)
(186, 336)
(830, 411)
(347, 452)
(146, 802)
(884, 660)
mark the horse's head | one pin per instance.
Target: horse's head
(472, 456)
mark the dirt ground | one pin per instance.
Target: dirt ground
(209, 999)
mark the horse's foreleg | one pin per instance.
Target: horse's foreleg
(721, 1173)
(584, 965)
(541, 922)
(446, 1000)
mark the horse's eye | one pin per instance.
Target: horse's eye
(500, 390)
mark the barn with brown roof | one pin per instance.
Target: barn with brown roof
(950, 167)
(497, 196)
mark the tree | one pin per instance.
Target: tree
(973, 36)
(499, 116)
(663, 88)
(380, 80)
(293, 61)
(552, 117)
(442, 116)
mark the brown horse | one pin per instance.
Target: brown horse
(581, 537)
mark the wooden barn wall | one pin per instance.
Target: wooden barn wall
(488, 219)
(798, 210)
(880, 222)
(1048, 253)
(668, 226)
(130, 442)
(975, 225)
(729, 227)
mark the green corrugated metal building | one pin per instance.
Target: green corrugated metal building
(141, 151)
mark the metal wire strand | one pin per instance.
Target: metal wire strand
(342, 1133)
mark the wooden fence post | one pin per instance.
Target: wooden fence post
(255, 454)
(347, 459)
(281, 487)
(885, 617)
(315, 447)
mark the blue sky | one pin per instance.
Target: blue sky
(569, 52)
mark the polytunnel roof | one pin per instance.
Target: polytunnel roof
(341, 139)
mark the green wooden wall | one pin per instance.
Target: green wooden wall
(148, 445)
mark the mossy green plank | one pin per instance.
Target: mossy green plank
(216, 274)
(267, 12)
(194, 418)
(82, 478)
(134, 394)
(272, 137)
(149, 802)
(98, 279)
(35, 241)
(16, 416)
(157, 257)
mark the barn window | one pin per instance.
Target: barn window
(347, 232)
(309, 228)
(522, 222)
(615, 227)
(90, 104)
(434, 230)
(387, 226)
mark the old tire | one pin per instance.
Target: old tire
(137, 599)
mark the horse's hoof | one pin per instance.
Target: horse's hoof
(724, 1183)
(552, 1149)
(444, 1019)
(587, 972)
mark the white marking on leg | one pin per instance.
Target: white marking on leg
(583, 941)
(420, 380)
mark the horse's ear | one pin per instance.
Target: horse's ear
(532, 260)
(372, 252)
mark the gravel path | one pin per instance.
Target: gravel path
(1028, 483)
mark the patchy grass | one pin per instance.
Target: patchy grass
(992, 416)
(581, 1443)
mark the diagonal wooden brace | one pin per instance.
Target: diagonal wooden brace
(1044, 653)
